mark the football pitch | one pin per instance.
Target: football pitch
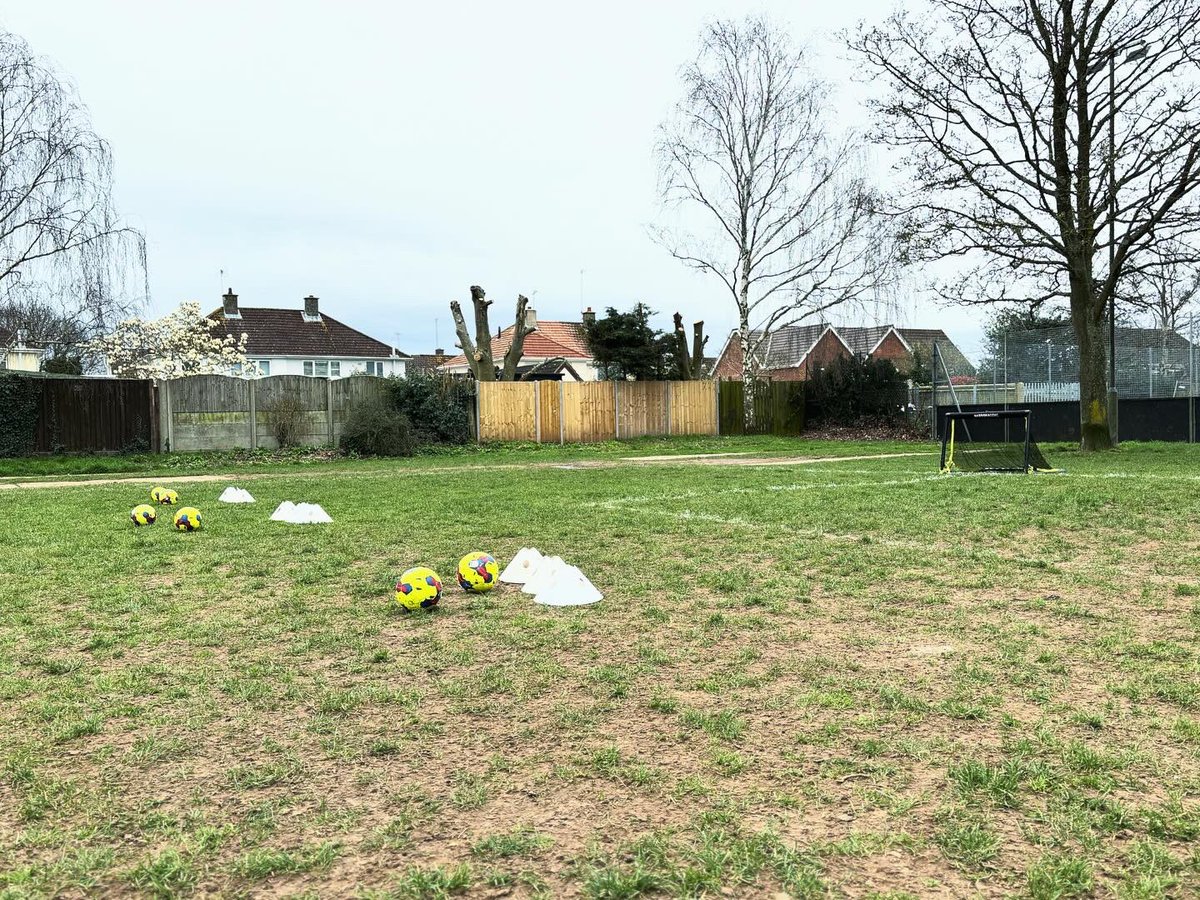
(806, 678)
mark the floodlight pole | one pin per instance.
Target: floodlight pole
(1112, 240)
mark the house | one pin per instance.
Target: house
(550, 344)
(428, 362)
(18, 355)
(794, 352)
(305, 341)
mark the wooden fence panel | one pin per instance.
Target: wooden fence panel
(643, 408)
(589, 411)
(346, 392)
(507, 411)
(693, 407)
(778, 408)
(94, 415)
(550, 411)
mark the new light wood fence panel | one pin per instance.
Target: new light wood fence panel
(693, 407)
(643, 408)
(589, 411)
(550, 411)
(507, 411)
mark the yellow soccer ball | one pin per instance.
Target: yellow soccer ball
(477, 573)
(418, 588)
(164, 495)
(143, 514)
(188, 519)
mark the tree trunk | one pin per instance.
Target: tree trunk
(512, 356)
(485, 365)
(698, 342)
(1093, 382)
(683, 363)
(747, 373)
(744, 333)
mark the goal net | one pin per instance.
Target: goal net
(998, 441)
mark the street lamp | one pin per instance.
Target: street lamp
(1136, 50)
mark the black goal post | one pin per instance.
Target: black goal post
(999, 441)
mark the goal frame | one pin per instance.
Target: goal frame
(947, 459)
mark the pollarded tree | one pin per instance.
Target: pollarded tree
(783, 213)
(185, 342)
(479, 350)
(58, 227)
(1024, 122)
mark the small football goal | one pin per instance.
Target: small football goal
(1000, 441)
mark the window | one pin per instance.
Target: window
(264, 367)
(308, 367)
(335, 369)
(323, 368)
(374, 368)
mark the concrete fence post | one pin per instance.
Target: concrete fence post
(329, 410)
(253, 414)
(168, 409)
(617, 409)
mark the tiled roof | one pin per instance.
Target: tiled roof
(285, 332)
(786, 348)
(426, 362)
(551, 339)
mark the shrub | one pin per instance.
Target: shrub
(439, 408)
(374, 427)
(285, 415)
(850, 390)
(18, 414)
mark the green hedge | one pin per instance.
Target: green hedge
(19, 398)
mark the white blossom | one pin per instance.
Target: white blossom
(181, 343)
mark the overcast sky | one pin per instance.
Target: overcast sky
(385, 156)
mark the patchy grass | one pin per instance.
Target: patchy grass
(852, 678)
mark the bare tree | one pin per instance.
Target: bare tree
(479, 351)
(1013, 114)
(1163, 289)
(58, 227)
(689, 364)
(789, 220)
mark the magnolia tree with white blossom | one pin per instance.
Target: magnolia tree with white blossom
(185, 342)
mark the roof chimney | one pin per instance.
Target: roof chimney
(20, 338)
(311, 312)
(439, 352)
(531, 318)
(589, 318)
(229, 305)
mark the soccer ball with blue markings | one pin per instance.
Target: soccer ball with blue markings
(418, 588)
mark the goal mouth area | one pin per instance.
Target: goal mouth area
(997, 441)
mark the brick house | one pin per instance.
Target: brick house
(794, 352)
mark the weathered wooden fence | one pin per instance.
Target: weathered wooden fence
(558, 412)
(215, 412)
(57, 414)
(778, 408)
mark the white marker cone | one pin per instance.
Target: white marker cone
(522, 566)
(283, 511)
(543, 574)
(570, 587)
(235, 495)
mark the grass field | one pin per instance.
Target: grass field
(852, 678)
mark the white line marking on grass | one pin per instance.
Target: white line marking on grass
(621, 502)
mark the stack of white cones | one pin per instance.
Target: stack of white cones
(300, 513)
(235, 495)
(551, 581)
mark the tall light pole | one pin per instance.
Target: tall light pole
(1137, 50)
